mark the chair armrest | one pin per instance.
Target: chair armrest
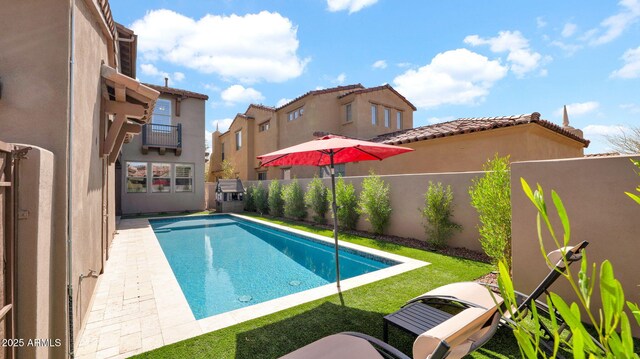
(380, 344)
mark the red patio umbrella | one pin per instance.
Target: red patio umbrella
(330, 150)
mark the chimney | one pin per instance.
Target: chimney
(166, 82)
(566, 126)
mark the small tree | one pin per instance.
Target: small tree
(294, 200)
(437, 213)
(374, 202)
(347, 204)
(316, 199)
(625, 141)
(491, 197)
(228, 172)
(249, 200)
(276, 204)
(260, 198)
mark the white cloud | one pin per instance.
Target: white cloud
(613, 26)
(211, 87)
(453, 77)
(151, 70)
(540, 23)
(380, 64)
(403, 65)
(578, 109)
(178, 76)
(282, 101)
(339, 79)
(207, 139)
(631, 68)
(631, 107)
(238, 93)
(434, 120)
(351, 5)
(569, 29)
(570, 49)
(603, 130)
(520, 55)
(222, 124)
(248, 48)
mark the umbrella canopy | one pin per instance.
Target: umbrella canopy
(317, 152)
(330, 150)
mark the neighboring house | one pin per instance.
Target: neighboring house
(352, 110)
(68, 88)
(161, 170)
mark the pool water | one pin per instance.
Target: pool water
(224, 263)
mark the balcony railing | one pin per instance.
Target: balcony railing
(162, 137)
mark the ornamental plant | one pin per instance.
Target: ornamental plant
(276, 204)
(249, 200)
(374, 202)
(613, 338)
(437, 213)
(491, 197)
(294, 200)
(260, 198)
(633, 196)
(316, 199)
(347, 202)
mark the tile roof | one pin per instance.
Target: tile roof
(323, 91)
(261, 107)
(606, 154)
(178, 92)
(378, 88)
(468, 125)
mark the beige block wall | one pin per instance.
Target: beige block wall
(592, 190)
(192, 120)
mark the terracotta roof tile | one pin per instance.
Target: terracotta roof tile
(378, 88)
(178, 92)
(323, 91)
(606, 154)
(468, 125)
(261, 107)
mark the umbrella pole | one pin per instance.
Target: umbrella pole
(334, 207)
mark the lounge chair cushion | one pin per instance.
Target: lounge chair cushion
(467, 291)
(337, 346)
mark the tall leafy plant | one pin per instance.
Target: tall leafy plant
(260, 197)
(375, 203)
(294, 200)
(249, 199)
(437, 213)
(611, 322)
(316, 199)
(491, 197)
(276, 203)
(347, 202)
(228, 171)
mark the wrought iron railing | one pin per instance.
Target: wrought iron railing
(156, 135)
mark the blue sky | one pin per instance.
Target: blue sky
(451, 59)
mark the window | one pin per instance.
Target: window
(238, 140)
(264, 126)
(161, 114)
(399, 120)
(374, 115)
(296, 113)
(222, 145)
(340, 171)
(262, 176)
(387, 117)
(136, 177)
(286, 173)
(184, 178)
(161, 177)
(349, 115)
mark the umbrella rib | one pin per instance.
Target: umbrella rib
(369, 153)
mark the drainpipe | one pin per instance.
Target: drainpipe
(70, 111)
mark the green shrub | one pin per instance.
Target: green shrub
(276, 204)
(249, 200)
(374, 202)
(260, 198)
(294, 200)
(491, 197)
(437, 213)
(613, 338)
(347, 204)
(316, 199)
(633, 196)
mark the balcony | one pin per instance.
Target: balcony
(162, 137)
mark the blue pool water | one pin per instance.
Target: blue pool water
(224, 263)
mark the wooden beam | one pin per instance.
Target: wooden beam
(127, 128)
(113, 132)
(125, 108)
(121, 92)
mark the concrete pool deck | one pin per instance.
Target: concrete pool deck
(138, 304)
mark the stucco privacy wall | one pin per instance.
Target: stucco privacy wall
(407, 198)
(592, 190)
(34, 250)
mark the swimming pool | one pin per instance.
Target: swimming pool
(223, 262)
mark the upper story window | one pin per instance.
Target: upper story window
(262, 176)
(222, 151)
(399, 120)
(339, 170)
(296, 113)
(348, 112)
(136, 177)
(286, 173)
(238, 140)
(162, 112)
(264, 126)
(374, 115)
(387, 117)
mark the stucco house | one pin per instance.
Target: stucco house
(68, 91)
(161, 170)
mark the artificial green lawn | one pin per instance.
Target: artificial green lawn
(360, 309)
